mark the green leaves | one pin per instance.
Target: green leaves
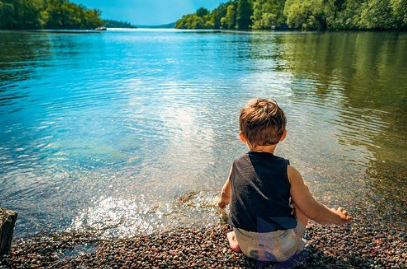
(51, 14)
(302, 14)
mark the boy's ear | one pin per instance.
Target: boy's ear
(283, 136)
(244, 140)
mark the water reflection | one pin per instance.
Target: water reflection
(361, 77)
(20, 55)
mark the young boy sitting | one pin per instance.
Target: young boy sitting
(269, 202)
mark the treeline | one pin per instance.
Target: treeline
(47, 14)
(301, 14)
(117, 24)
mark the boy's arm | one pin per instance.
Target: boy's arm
(309, 206)
(226, 193)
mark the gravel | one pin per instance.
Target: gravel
(353, 246)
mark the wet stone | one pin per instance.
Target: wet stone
(330, 247)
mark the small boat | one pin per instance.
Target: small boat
(101, 28)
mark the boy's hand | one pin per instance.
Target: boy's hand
(343, 214)
(222, 203)
(226, 193)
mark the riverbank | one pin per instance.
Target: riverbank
(353, 246)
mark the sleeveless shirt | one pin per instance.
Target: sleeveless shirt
(260, 193)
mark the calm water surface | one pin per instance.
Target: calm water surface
(134, 132)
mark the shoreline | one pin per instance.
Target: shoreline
(352, 246)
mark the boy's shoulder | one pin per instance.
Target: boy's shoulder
(243, 157)
(251, 155)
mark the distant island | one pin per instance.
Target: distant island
(161, 26)
(301, 14)
(117, 24)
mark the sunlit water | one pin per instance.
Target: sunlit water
(134, 132)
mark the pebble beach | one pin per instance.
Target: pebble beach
(351, 246)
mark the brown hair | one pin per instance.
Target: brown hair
(262, 122)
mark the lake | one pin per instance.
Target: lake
(130, 132)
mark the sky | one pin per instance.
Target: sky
(147, 12)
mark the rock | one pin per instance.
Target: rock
(7, 222)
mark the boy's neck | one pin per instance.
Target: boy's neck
(268, 149)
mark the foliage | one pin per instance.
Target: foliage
(301, 14)
(268, 13)
(117, 24)
(50, 14)
(243, 14)
(399, 10)
(229, 21)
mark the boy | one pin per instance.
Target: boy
(263, 190)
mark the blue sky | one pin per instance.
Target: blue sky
(150, 12)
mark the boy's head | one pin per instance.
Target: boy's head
(262, 122)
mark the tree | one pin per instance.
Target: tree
(202, 12)
(117, 24)
(377, 14)
(349, 16)
(307, 14)
(268, 13)
(51, 14)
(219, 13)
(243, 14)
(6, 15)
(230, 19)
(21, 14)
(399, 11)
(303, 14)
(193, 21)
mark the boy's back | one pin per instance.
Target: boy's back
(260, 193)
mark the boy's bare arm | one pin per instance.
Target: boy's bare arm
(226, 193)
(309, 206)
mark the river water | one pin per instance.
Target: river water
(131, 132)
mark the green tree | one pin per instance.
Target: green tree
(303, 14)
(312, 14)
(219, 13)
(117, 24)
(202, 12)
(21, 14)
(243, 14)
(349, 17)
(399, 10)
(377, 14)
(268, 13)
(193, 21)
(229, 21)
(201, 19)
(52, 14)
(6, 15)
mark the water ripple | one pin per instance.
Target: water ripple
(99, 131)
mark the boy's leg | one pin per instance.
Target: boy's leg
(234, 245)
(302, 222)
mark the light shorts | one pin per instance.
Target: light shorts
(274, 246)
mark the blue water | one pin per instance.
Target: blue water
(107, 131)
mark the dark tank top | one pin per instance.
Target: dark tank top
(260, 193)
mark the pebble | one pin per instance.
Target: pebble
(330, 247)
